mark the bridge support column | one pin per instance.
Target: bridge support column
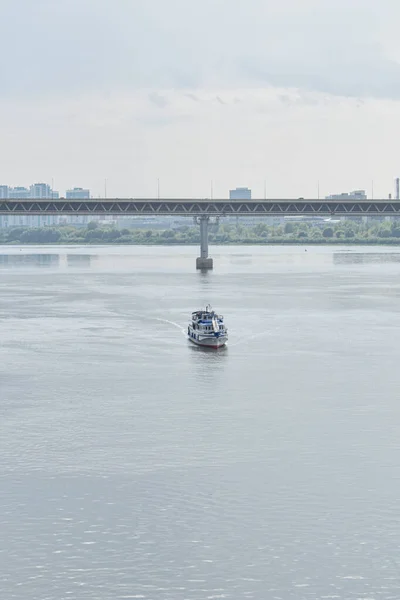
(204, 262)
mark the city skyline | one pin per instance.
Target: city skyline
(46, 191)
(42, 190)
(37, 191)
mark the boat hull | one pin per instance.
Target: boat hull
(215, 343)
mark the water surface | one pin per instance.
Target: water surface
(135, 465)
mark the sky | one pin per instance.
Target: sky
(199, 97)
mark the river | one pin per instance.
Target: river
(136, 465)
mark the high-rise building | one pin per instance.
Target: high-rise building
(6, 220)
(78, 194)
(19, 193)
(43, 190)
(36, 191)
(40, 191)
(355, 195)
(240, 194)
(4, 191)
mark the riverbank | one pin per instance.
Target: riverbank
(277, 242)
(348, 232)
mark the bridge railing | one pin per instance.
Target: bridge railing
(195, 207)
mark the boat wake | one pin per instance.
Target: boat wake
(181, 329)
(249, 338)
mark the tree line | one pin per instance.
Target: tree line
(373, 231)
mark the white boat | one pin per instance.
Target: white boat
(207, 329)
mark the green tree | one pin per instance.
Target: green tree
(260, 228)
(111, 235)
(92, 235)
(168, 234)
(125, 239)
(395, 229)
(15, 234)
(316, 234)
(289, 227)
(328, 232)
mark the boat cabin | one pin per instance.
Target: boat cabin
(207, 320)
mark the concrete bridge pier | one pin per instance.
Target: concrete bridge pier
(203, 261)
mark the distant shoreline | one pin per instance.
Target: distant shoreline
(275, 242)
(349, 233)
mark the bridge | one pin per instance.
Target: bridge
(201, 209)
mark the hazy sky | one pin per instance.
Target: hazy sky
(190, 91)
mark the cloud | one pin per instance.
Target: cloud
(127, 139)
(158, 99)
(192, 97)
(71, 46)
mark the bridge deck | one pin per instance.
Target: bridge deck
(193, 207)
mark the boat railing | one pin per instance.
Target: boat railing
(208, 319)
(211, 331)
